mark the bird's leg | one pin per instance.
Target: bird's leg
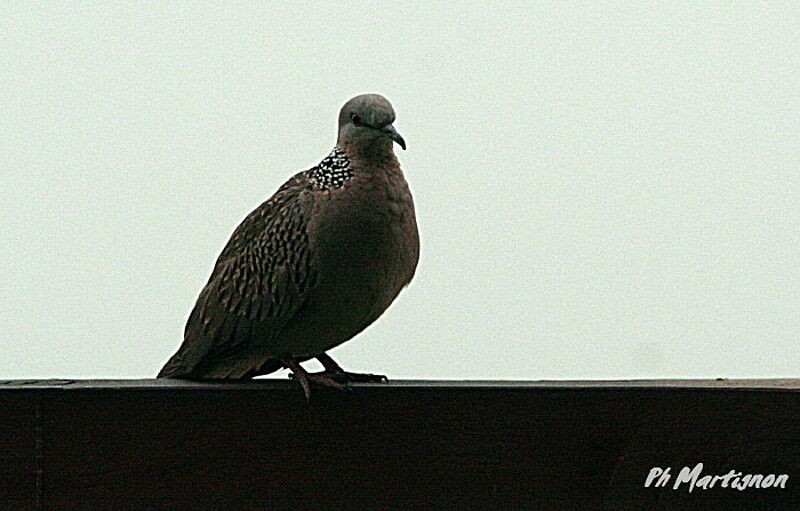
(335, 372)
(305, 378)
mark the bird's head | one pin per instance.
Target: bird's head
(365, 122)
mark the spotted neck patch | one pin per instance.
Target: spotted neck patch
(332, 171)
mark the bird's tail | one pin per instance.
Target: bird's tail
(236, 369)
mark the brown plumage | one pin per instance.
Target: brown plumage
(312, 266)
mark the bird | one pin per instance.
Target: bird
(312, 266)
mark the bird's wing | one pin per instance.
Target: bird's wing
(261, 278)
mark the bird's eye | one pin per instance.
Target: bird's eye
(356, 119)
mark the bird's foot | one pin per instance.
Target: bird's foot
(333, 376)
(334, 370)
(348, 377)
(306, 379)
(336, 380)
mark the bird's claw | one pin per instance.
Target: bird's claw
(322, 378)
(332, 377)
(346, 377)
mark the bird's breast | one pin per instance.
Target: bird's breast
(364, 238)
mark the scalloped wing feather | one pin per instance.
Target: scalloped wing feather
(260, 280)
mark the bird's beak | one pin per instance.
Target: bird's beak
(394, 135)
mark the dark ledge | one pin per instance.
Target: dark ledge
(282, 383)
(170, 444)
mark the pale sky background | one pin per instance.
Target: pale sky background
(604, 189)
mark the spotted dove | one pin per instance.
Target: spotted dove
(312, 266)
